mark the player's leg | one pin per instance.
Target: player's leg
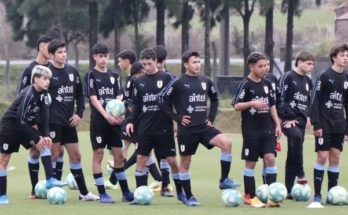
(4, 159)
(33, 167)
(155, 173)
(145, 146)
(58, 171)
(57, 149)
(334, 159)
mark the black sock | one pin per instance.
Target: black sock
(3, 182)
(289, 180)
(271, 178)
(177, 182)
(140, 178)
(333, 179)
(165, 178)
(33, 167)
(318, 180)
(122, 178)
(99, 182)
(225, 169)
(79, 178)
(131, 161)
(47, 163)
(113, 178)
(249, 185)
(59, 170)
(155, 172)
(186, 184)
(264, 175)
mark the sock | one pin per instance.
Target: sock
(225, 162)
(164, 166)
(47, 162)
(99, 181)
(177, 182)
(154, 170)
(186, 183)
(332, 173)
(122, 178)
(58, 171)
(140, 178)
(3, 182)
(77, 172)
(131, 161)
(318, 178)
(271, 174)
(249, 182)
(264, 175)
(33, 166)
(113, 179)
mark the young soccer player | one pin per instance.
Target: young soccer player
(329, 118)
(296, 88)
(260, 124)
(189, 95)
(19, 127)
(105, 131)
(154, 127)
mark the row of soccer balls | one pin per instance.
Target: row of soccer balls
(277, 193)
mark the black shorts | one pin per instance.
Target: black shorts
(10, 143)
(133, 138)
(163, 145)
(188, 143)
(103, 134)
(255, 148)
(329, 141)
(63, 134)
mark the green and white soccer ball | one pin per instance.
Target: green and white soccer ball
(57, 196)
(115, 107)
(70, 182)
(337, 196)
(143, 195)
(277, 192)
(301, 192)
(261, 192)
(231, 198)
(40, 189)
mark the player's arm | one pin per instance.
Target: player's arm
(240, 102)
(24, 80)
(80, 96)
(315, 105)
(273, 111)
(214, 102)
(136, 110)
(285, 111)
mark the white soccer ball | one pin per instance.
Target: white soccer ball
(143, 195)
(57, 196)
(337, 196)
(40, 189)
(70, 182)
(261, 192)
(115, 107)
(301, 192)
(277, 192)
(231, 198)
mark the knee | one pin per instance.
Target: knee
(34, 153)
(226, 146)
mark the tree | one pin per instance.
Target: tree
(93, 29)
(225, 38)
(160, 19)
(267, 8)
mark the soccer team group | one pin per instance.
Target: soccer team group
(50, 103)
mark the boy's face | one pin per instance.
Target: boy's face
(259, 68)
(59, 56)
(101, 60)
(306, 66)
(42, 82)
(150, 66)
(43, 50)
(123, 64)
(341, 59)
(193, 66)
(268, 66)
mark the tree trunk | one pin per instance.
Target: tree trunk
(225, 39)
(77, 54)
(7, 76)
(289, 35)
(136, 28)
(160, 27)
(246, 49)
(117, 31)
(93, 29)
(215, 66)
(185, 28)
(207, 24)
(269, 43)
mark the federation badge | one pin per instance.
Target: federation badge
(182, 148)
(128, 84)
(307, 87)
(246, 152)
(52, 134)
(159, 84)
(112, 80)
(320, 141)
(266, 89)
(345, 85)
(274, 86)
(204, 85)
(5, 146)
(99, 139)
(71, 77)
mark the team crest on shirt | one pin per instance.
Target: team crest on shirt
(345, 85)
(52, 134)
(266, 89)
(112, 80)
(307, 87)
(273, 86)
(25, 80)
(98, 139)
(159, 84)
(204, 85)
(128, 84)
(5, 146)
(71, 77)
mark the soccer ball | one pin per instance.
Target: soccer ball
(231, 198)
(143, 195)
(301, 192)
(70, 182)
(40, 189)
(277, 192)
(115, 107)
(57, 196)
(261, 193)
(337, 196)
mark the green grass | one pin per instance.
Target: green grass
(205, 174)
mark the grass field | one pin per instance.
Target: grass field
(205, 174)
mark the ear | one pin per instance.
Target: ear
(186, 65)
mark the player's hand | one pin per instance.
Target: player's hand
(41, 145)
(111, 119)
(74, 120)
(129, 129)
(345, 137)
(318, 133)
(308, 124)
(119, 119)
(35, 127)
(48, 142)
(290, 123)
(209, 123)
(185, 120)
(259, 105)
(278, 132)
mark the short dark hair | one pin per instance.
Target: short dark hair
(54, 45)
(337, 49)
(136, 68)
(128, 55)
(186, 56)
(100, 48)
(43, 39)
(304, 56)
(161, 53)
(148, 54)
(256, 56)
